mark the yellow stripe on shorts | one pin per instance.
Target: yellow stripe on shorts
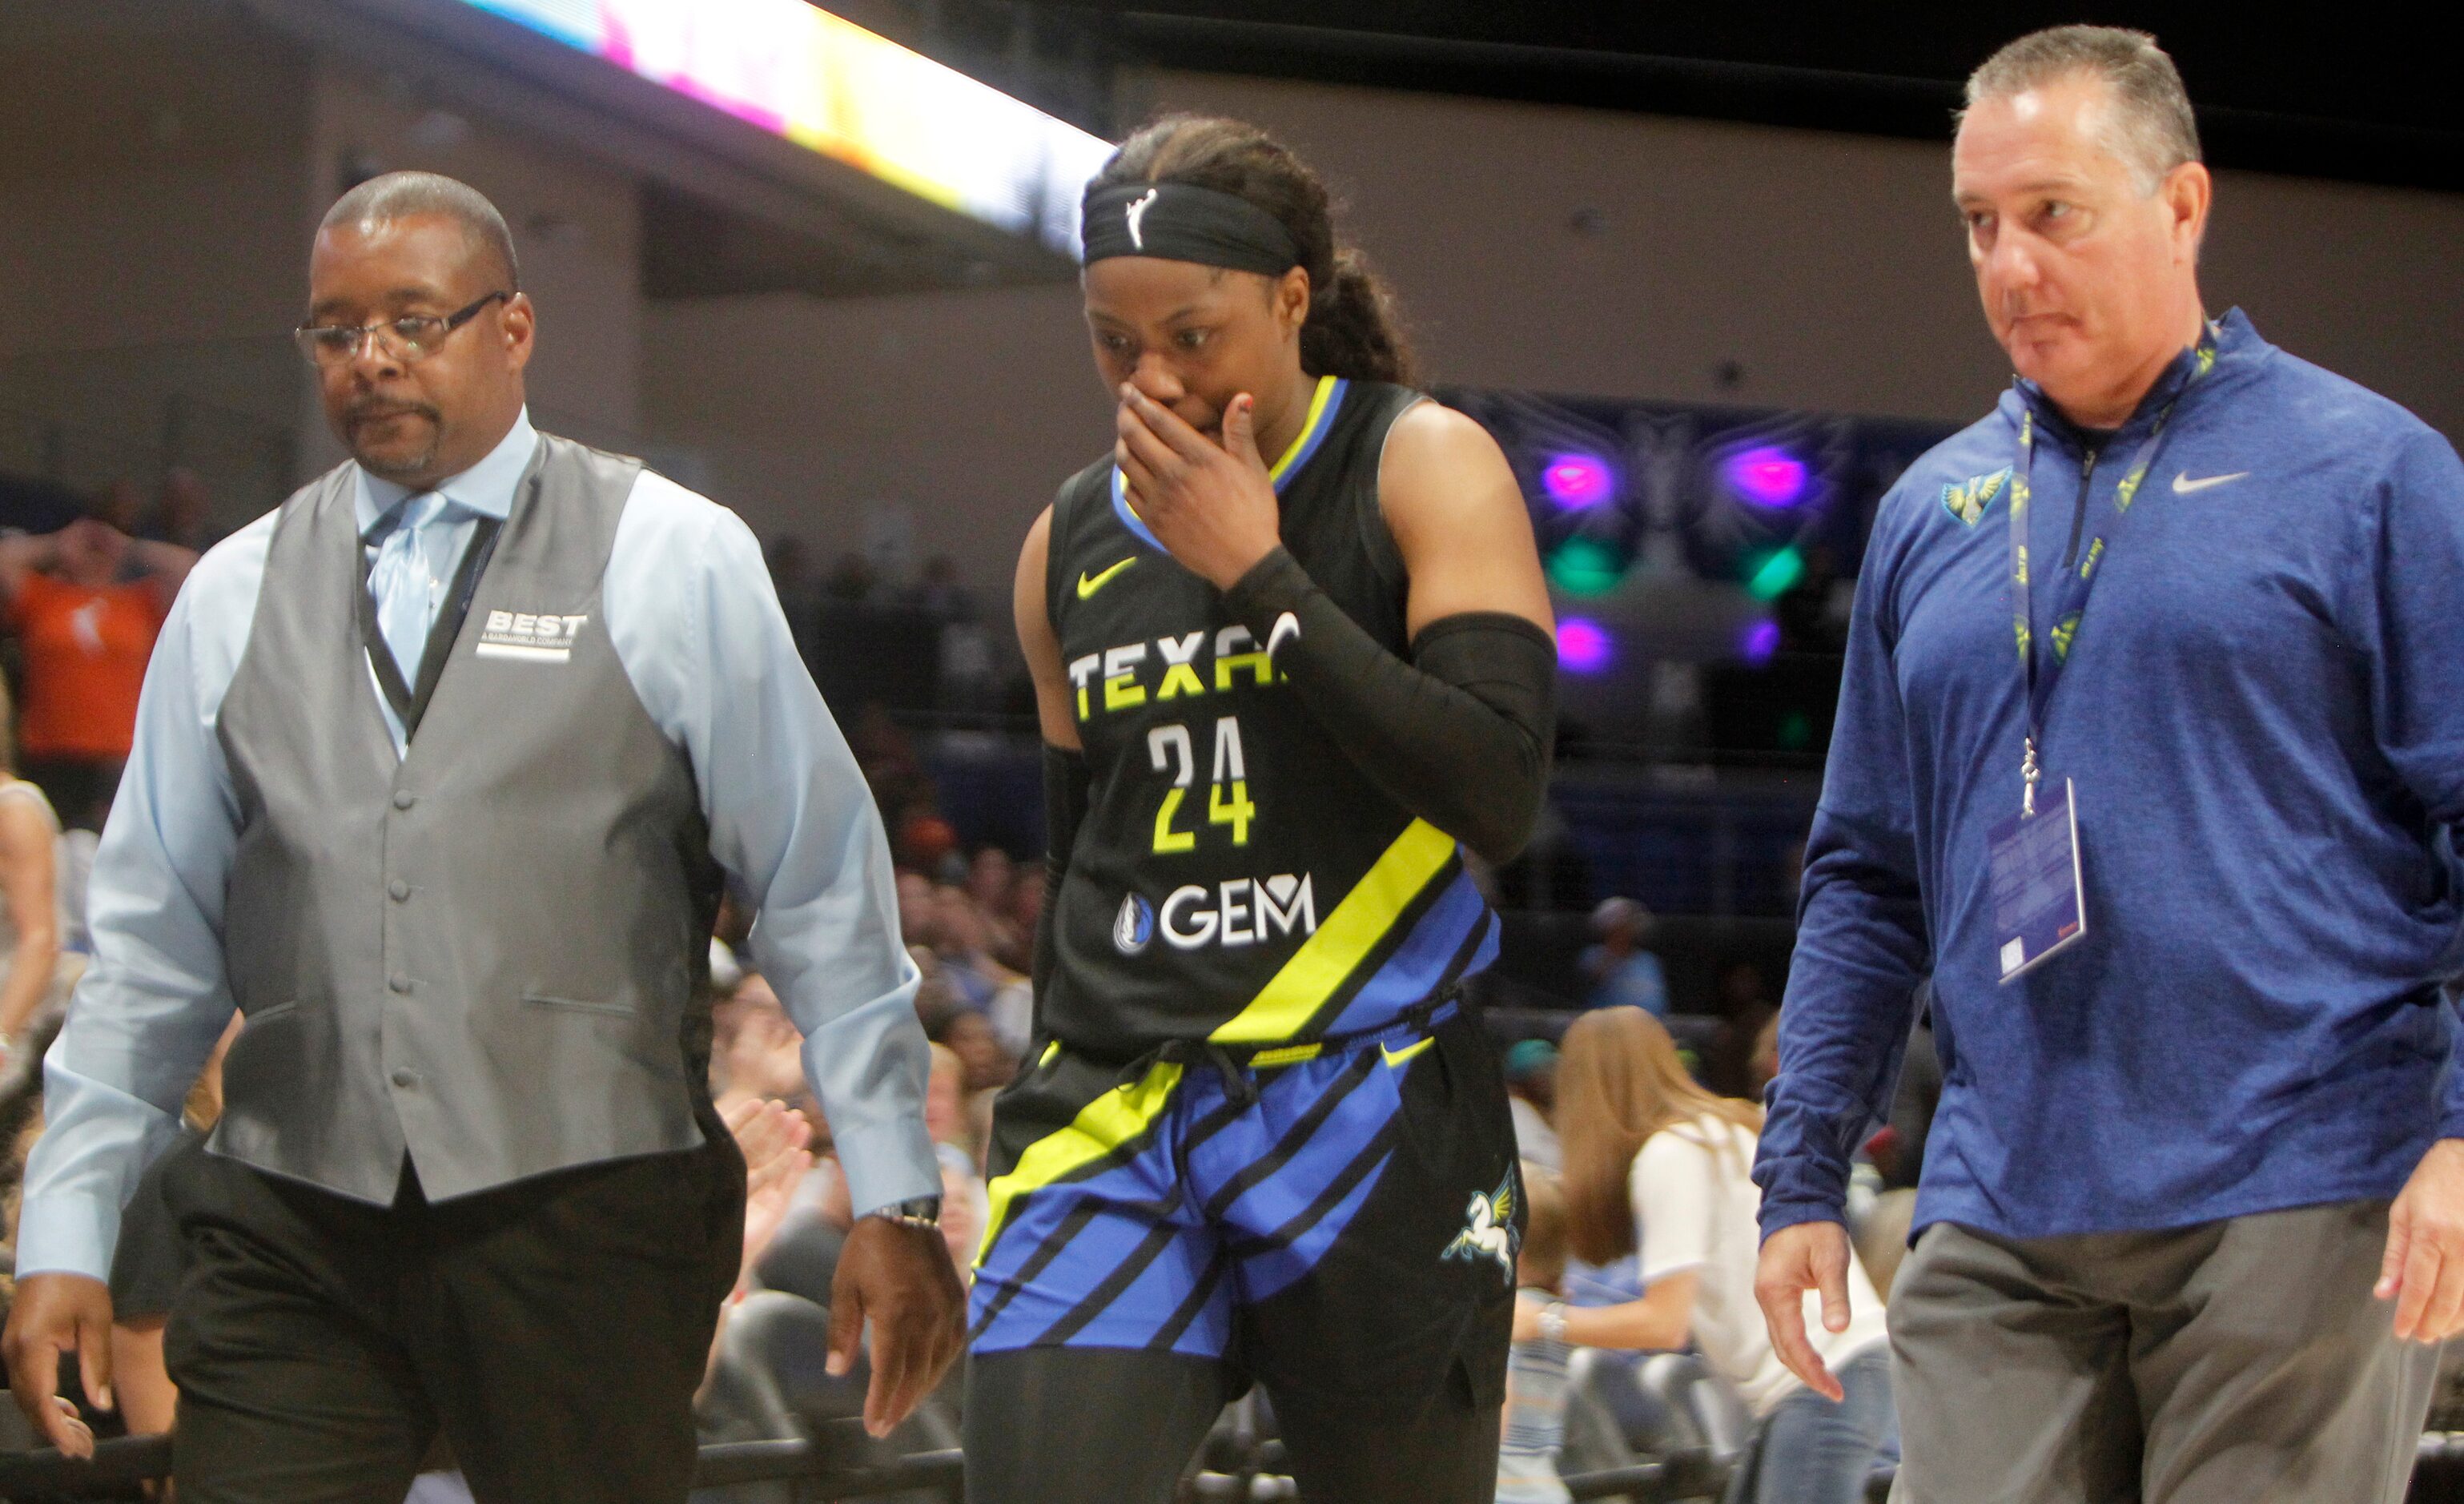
(1102, 1126)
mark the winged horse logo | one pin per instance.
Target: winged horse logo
(1488, 1227)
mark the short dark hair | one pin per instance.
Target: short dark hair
(2154, 130)
(401, 195)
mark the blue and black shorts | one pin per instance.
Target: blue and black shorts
(1338, 1219)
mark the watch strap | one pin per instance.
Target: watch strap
(916, 1211)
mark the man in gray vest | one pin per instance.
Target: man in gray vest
(440, 769)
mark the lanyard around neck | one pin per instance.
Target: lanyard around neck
(2039, 682)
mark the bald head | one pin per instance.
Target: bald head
(394, 196)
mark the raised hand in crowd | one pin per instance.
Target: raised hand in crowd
(776, 1142)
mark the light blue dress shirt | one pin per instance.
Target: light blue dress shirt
(698, 631)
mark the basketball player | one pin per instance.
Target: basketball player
(1292, 653)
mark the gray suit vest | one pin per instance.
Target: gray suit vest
(489, 953)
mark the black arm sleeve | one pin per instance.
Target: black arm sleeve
(1065, 780)
(1461, 736)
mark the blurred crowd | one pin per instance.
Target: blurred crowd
(82, 602)
(1635, 1119)
(969, 923)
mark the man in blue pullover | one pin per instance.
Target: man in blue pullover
(2199, 605)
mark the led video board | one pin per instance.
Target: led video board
(828, 84)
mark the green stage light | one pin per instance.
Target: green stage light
(1774, 575)
(1584, 567)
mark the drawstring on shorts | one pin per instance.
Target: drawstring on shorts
(1237, 1064)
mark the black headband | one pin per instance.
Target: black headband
(1178, 222)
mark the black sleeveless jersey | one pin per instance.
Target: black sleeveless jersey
(1237, 878)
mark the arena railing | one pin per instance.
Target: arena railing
(35, 1478)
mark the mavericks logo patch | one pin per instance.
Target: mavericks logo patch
(1969, 498)
(1488, 1229)
(1134, 926)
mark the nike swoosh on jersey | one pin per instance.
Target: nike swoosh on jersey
(2183, 485)
(1090, 583)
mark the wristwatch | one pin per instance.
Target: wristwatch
(1553, 1321)
(916, 1211)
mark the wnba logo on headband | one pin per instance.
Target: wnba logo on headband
(1179, 222)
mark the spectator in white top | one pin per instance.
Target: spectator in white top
(1657, 1164)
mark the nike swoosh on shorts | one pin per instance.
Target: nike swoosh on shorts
(1396, 1057)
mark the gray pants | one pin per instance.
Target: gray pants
(2235, 1363)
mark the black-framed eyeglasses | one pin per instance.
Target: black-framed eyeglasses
(413, 337)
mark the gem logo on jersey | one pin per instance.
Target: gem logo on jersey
(1246, 911)
(1134, 926)
(1488, 1229)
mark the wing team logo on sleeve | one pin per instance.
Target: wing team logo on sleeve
(1969, 498)
(1488, 1227)
(1137, 209)
(530, 636)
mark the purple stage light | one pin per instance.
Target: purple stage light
(1576, 481)
(1762, 641)
(1767, 475)
(1583, 647)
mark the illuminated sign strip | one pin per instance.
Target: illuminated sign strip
(831, 85)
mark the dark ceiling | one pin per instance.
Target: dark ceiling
(2344, 93)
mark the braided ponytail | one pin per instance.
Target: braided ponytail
(1353, 329)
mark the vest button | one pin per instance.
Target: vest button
(403, 799)
(400, 890)
(399, 983)
(405, 1078)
